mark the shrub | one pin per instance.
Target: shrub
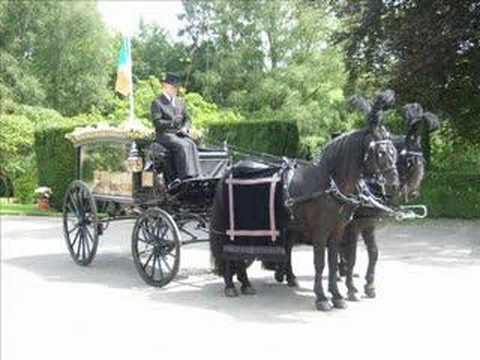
(39, 116)
(16, 155)
(25, 183)
(271, 137)
(451, 195)
(452, 184)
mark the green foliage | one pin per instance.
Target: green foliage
(271, 137)
(56, 156)
(56, 54)
(451, 194)
(39, 116)
(17, 83)
(17, 162)
(204, 113)
(268, 60)
(452, 184)
(201, 111)
(154, 54)
(428, 51)
(310, 145)
(25, 182)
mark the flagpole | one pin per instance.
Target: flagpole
(131, 115)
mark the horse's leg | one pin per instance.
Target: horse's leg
(228, 272)
(319, 245)
(242, 276)
(291, 278)
(337, 297)
(368, 235)
(351, 237)
(342, 258)
(280, 272)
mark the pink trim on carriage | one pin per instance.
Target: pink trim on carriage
(230, 204)
(230, 181)
(273, 183)
(233, 233)
(273, 232)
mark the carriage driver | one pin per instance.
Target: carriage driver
(172, 127)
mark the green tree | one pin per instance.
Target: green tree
(57, 53)
(154, 54)
(267, 59)
(428, 51)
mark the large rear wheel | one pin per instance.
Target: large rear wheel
(80, 223)
(156, 247)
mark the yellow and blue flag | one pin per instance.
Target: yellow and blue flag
(124, 84)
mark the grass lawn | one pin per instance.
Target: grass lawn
(8, 207)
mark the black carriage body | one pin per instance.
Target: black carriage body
(106, 166)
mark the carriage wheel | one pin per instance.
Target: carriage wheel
(80, 223)
(156, 247)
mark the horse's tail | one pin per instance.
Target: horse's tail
(217, 230)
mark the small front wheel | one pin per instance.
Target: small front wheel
(156, 247)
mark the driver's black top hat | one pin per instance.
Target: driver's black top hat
(172, 79)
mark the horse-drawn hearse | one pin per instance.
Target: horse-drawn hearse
(255, 208)
(121, 174)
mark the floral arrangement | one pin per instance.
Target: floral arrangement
(43, 192)
(128, 130)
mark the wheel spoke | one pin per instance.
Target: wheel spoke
(77, 234)
(153, 266)
(163, 233)
(74, 228)
(166, 264)
(77, 253)
(88, 246)
(74, 204)
(141, 253)
(146, 234)
(151, 235)
(148, 261)
(89, 234)
(83, 245)
(160, 268)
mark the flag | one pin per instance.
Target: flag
(124, 84)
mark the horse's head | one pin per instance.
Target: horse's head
(380, 155)
(411, 161)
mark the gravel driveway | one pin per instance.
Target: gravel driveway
(427, 305)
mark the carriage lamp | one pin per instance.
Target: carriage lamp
(134, 161)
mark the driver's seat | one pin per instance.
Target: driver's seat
(160, 160)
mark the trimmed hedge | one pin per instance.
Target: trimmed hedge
(56, 157)
(271, 137)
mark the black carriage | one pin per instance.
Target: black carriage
(121, 175)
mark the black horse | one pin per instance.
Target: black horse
(318, 213)
(411, 171)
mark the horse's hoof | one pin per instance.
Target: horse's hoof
(339, 303)
(352, 297)
(292, 282)
(248, 290)
(279, 276)
(231, 292)
(323, 305)
(370, 293)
